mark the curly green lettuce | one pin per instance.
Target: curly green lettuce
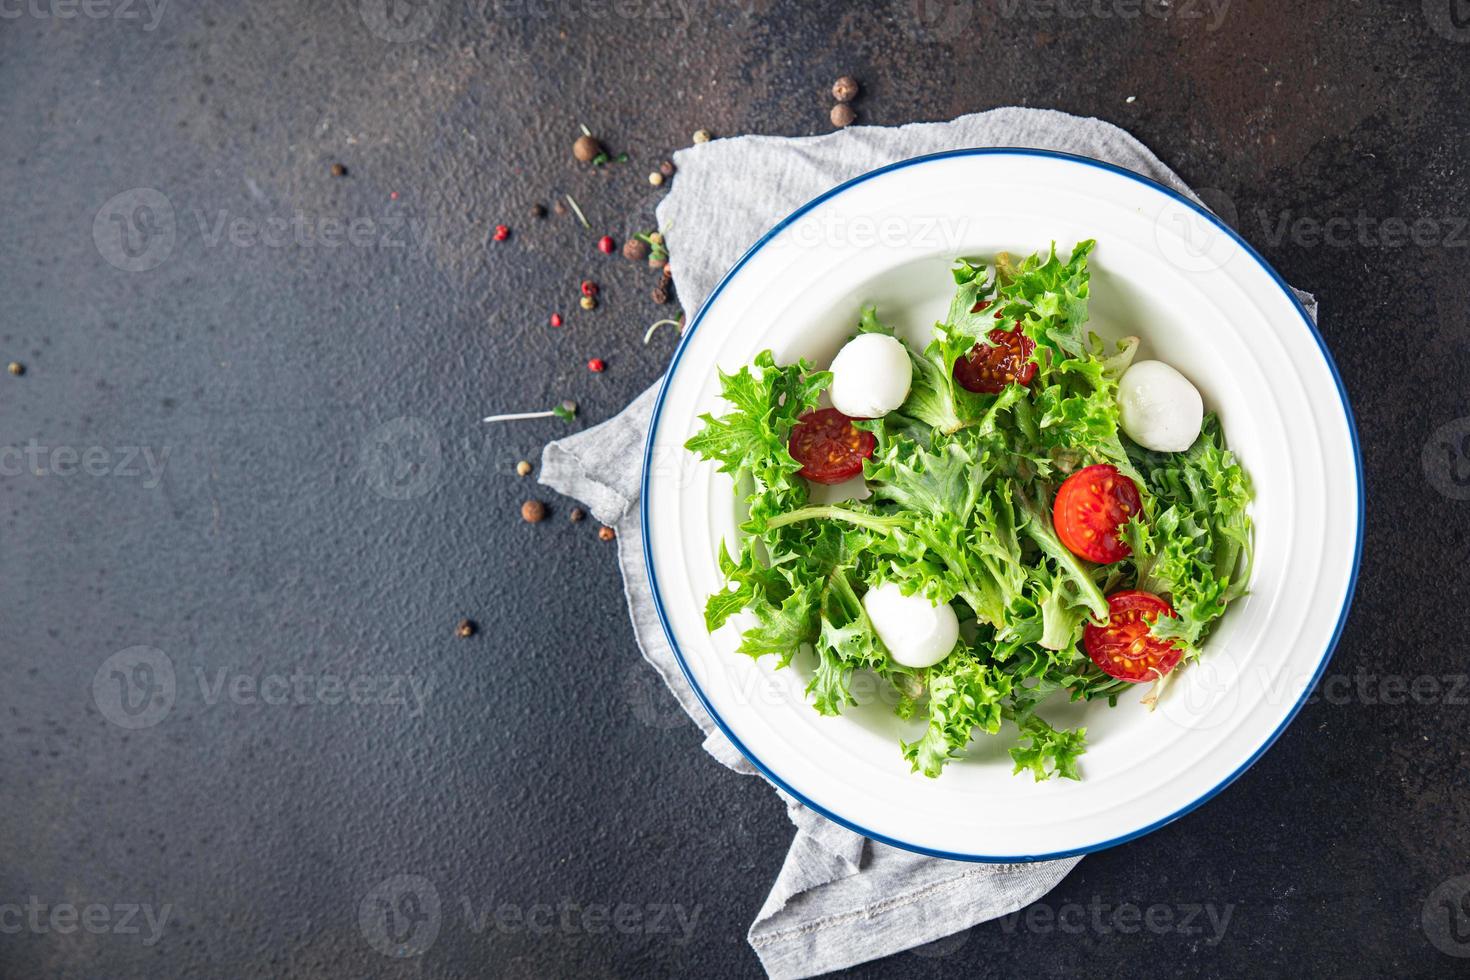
(960, 512)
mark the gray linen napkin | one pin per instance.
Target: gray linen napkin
(839, 899)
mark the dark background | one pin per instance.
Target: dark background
(289, 532)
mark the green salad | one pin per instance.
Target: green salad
(1032, 511)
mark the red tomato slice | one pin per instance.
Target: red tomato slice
(988, 368)
(1124, 648)
(829, 447)
(1091, 507)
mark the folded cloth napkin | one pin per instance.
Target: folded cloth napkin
(839, 899)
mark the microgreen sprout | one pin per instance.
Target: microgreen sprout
(566, 410)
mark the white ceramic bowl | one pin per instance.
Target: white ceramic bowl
(1203, 301)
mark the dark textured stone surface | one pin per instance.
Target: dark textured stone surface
(543, 768)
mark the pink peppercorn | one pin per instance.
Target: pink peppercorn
(596, 365)
(556, 319)
(501, 233)
(589, 288)
(606, 244)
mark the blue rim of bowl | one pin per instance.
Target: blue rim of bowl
(709, 304)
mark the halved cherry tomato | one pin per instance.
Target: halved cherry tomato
(988, 368)
(1091, 507)
(1124, 648)
(829, 447)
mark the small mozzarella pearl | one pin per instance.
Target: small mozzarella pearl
(916, 632)
(1160, 409)
(870, 376)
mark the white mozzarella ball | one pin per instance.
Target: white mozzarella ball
(870, 376)
(917, 632)
(1159, 408)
